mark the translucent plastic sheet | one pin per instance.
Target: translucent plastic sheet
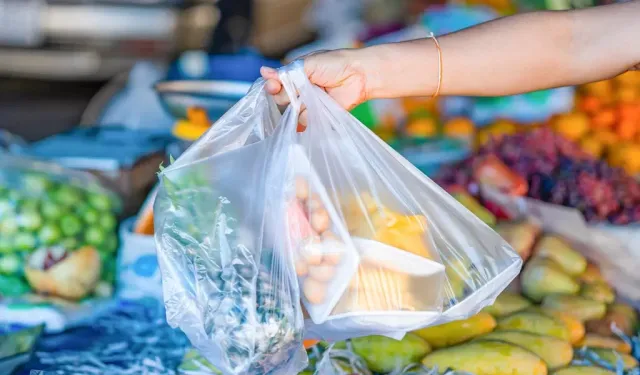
(255, 217)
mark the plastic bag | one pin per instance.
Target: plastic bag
(57, 231)
(227, 282)
(332, 216)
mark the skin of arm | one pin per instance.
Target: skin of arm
(511, 55)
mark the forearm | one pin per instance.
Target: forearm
(512, 55)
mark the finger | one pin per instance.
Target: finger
(273, 86)
(303, 120)
(281, 98)
(268, 73)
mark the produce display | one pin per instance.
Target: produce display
(606, 122)
(548, 329)
(57, 232)
(557, 171)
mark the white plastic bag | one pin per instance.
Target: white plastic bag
(331, 216)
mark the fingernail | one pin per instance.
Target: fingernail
(267, 69)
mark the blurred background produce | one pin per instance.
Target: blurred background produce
(96, 94)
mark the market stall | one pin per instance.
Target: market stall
(186, 232)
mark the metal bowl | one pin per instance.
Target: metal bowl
(215, 97)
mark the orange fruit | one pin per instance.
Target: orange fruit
(601, 89)
(589, 104)
(424, 127)
(627, 94)
(607, 138)
(628, 111)
(627, 129)
(628, 79)
(198, 116)
(459, 127)
(485, 135)
(628, 157)
(592, 146)
(604, 119)
(412, 105)
(503, 127)
(572, 125)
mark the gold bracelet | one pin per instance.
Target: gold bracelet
(435, 40)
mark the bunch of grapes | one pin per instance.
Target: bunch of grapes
(558, 172)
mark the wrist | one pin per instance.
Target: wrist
(368, 62)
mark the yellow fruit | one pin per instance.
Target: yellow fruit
(558, 250)
(542, 277)
(607, 138)
(631, 78)
(598, 291)
(582, 308)
(383, 354)
(520, 235)
(506, 304)
(553, 351)
(503, 127)
(583, 370)
(592, 274)
(423, 127)
(534, 323)
(626, 156)
(572, 126)
(593, 146)
(627, 94)
(601, 89)
(576, 328)
(458, 331)
(612, 357)
(459, 127)
(596, 341)
(487, 358)
(412, 105)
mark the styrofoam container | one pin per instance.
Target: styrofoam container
(416, 298)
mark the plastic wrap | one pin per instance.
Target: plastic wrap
(331, 216)
(57, 231)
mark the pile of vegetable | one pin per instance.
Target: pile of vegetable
(58, 232)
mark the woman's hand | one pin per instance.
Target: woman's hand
(340, 73)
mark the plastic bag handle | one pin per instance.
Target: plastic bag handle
(293, 78)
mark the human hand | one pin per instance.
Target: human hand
(340, 73)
